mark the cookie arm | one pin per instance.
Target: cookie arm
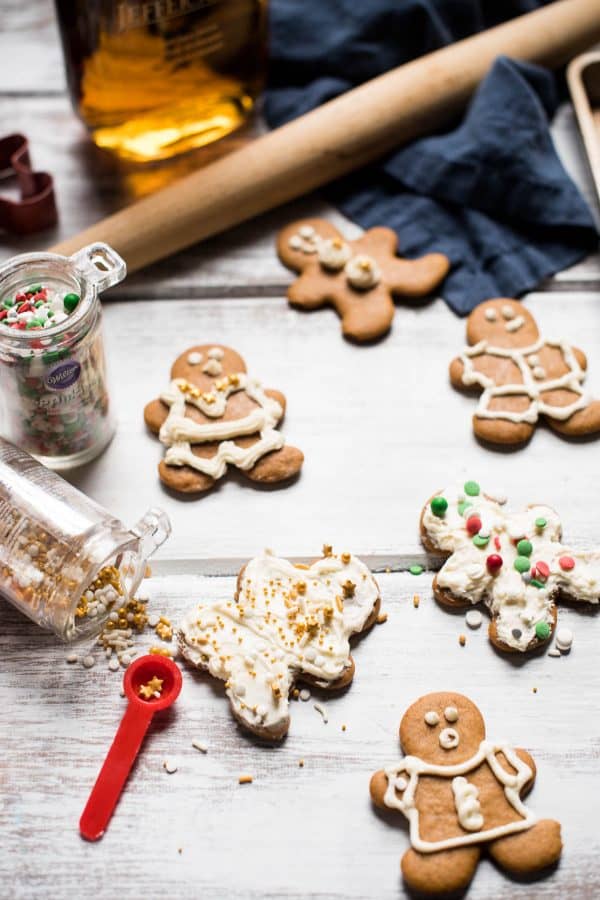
(155, 413)
(377, 788)
(456, 370)
(580, 357)
(525, 757)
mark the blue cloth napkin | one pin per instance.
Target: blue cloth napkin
(491, 193)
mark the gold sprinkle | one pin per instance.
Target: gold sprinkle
(349, 589)
(327, 550)
(151, 688)
(346, 557)
(245, 779)
(462, 640)
(343, 727)
(301, 763)
(381, 618)
(416, 601)
(160, 651)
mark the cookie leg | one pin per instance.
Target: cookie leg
(502, 432)
(184, 479)
(585, 421)
(529, 851)
(440, 873)
(279, 465)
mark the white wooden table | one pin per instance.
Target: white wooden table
(372, 458)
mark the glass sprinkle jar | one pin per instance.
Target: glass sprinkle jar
(54, 399)
(65, 562)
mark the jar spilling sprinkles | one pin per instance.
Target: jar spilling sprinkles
(53, 392)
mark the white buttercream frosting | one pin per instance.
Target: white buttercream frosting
(287, 621)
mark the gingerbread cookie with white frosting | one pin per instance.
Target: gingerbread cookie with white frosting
(287, 623)
(358, 278)
(462, 795)
(513, 563)
(214, 415)
(523, 378)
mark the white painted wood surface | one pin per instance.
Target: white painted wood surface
(381, 429)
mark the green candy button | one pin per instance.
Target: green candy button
(522, 564)
(482, 541)
(70, 302)
(416, 569)
(538, 584)
(463, 506)
(472, 488)
(540, 523)
(542, 631)
(524, 548)
(439, 505)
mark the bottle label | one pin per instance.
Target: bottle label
(63, 376)
(151, 12)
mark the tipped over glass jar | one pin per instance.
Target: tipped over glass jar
(65, 562)
(54, 399)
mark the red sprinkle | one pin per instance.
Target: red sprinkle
(497, 544)
(566, 563)
(543, 569)
(3, 313)
(473, 524)
(20, 298)
(494, 562)
(25, 307)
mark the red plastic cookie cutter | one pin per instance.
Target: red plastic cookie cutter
(128, 739)
(37, 208)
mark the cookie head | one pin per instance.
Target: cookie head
(443, 728)
(503, 323)
(203, 364)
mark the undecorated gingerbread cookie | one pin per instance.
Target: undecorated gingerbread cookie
(287, 623)
(358, 278)
(514, 563)
(522, 377)
(214, 415)
(462, 795)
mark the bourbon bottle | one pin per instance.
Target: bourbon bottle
(154, 78)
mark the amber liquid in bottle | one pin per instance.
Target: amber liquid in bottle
(153, 78)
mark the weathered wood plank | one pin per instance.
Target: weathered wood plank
(380, 426)
(295, 832)
(30, 51)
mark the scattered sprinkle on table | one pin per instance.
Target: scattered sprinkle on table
(387, 570)
(534, 690)
(555, 652)
(88, 661)
(462, 639)
(301, 763)
(381, 618)
(416, 569)
(564, 639)
(245, 779)
(323, 712)
(416, 601)
(343, 727)
(473, 618)
(72, 658)
(305, 694)
(199, 745)
(170, 766)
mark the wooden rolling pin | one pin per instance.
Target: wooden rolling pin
(339, 136)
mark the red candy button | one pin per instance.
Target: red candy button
(566, 563)
(543, 569)
(473, 524)
(494, 562)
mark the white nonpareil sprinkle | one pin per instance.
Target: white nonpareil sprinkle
(321, 709)
(199, 745)
(194, 358)
(305, 694)
(153, 621)
(113, 665)
(170, 766)
(473, 618)
(72, 658)
(564, 639)
(88, 661)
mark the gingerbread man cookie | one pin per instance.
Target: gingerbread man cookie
(287, 623)
(512, 562)
(462, 794)
(212, 415)
(359, 278)
(522, 377)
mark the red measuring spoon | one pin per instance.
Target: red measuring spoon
(128, 739)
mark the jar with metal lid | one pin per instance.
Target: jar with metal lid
(54, 399)
(66, 562)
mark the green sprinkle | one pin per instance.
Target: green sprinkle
(39, 302)
(416, 569)
(472, 488)
(10, 301)
(34, 323)
(50, 314)
(439, 505)
(70, 302)
(536, 583)
(463, 506)
(522, 564)
(34, 289)
(481, 541)
(542, 631)
(540, 523)
(524, 548)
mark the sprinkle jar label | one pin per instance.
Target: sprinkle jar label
(63, 375)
